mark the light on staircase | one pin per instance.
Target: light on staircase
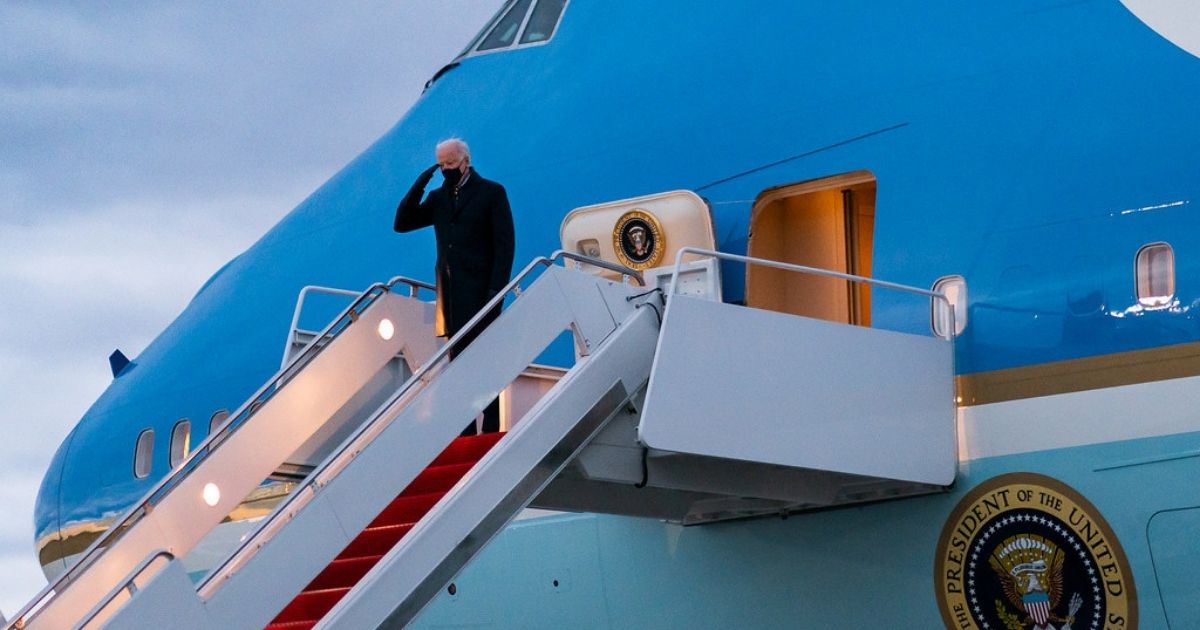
(386, 329)
(212, 494)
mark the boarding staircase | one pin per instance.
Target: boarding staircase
(391, 503)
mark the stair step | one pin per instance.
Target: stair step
(378, 538)
(404, 509)
(292, 625)
(437, 479)
(467, 449)
(375, 541)
(311, 605)
(344, 572)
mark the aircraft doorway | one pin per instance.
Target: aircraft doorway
(826, 223)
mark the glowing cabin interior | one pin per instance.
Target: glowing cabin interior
(825, 223)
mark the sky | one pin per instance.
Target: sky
(142, 145)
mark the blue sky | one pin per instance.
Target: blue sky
(142, 146)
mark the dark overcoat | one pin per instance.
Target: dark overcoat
(474, 231)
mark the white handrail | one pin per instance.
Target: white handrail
(809, 270)
(312, 288)
(414, 287)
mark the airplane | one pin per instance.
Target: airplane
(839, 315)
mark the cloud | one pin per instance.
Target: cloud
(79, 287)
(170, 100)
(15, 579)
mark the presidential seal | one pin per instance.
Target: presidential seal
(638, 240)
(1024, 551)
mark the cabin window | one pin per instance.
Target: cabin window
(519, 23)
(1155, 275)
(955, 290)
(218, 419)
(827, 224)
(181, 437)
(143, 452)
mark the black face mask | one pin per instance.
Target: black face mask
(452, 175)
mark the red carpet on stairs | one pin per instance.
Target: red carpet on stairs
(382, 533)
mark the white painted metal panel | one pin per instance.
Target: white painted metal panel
(699, 279)
(742, 383)
(161, 606)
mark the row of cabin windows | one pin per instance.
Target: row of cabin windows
(518, 23)
(181, 436)
(1154, 278)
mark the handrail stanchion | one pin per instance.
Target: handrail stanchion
(414, 286)
(294, 328)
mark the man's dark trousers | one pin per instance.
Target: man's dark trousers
(491, 413)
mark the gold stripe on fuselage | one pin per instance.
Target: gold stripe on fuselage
(1077, 375)
(77, 537)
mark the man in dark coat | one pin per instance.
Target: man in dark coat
(473, 225)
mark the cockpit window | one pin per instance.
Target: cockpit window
(519, 23)
(505, 31)
(543, 21)
(143, 453)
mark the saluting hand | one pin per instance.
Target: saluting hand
(426, 175)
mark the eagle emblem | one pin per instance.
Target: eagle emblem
(1030, 570)
(638, 240)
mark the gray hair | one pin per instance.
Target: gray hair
(458, 145)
